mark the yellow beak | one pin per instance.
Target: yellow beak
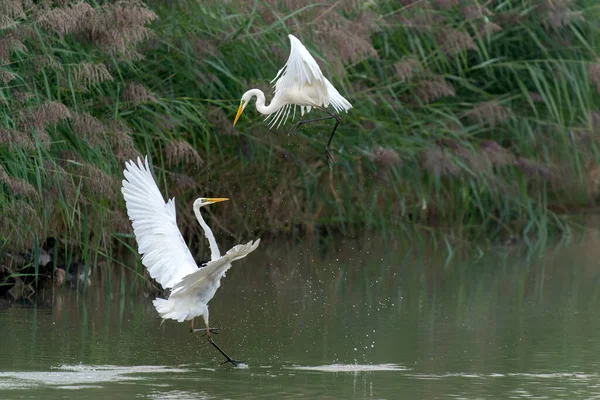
(217, 199)
(239, 112)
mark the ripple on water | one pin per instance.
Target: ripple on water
(351, 368)
(79, 376)
(178, 395)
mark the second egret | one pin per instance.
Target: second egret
(299, 83)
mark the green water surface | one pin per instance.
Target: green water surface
(366, 320)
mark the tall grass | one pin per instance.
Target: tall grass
(470, 118)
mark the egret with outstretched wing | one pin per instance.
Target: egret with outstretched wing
(299, 83)
(167, 257)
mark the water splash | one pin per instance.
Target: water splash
(351, 368)
(80, 376)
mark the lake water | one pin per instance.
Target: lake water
(347, 321)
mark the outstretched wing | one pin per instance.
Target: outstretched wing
(164, 252)
(210, 275)
(300, 70)
(338, 101)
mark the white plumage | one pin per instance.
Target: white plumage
(200, 287)
(302, 83)
(164, 252)
(299, 83)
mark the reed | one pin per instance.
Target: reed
(471, 119)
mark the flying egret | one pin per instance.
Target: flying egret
(299, 83)
(167, 257)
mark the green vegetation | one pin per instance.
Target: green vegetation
(470, 118)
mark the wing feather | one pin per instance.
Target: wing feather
(300, 70)
(338, 101)
(213, 272)
(164, 252)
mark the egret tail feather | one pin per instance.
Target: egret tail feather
(178, 308)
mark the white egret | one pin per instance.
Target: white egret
(167, 257)
(299, 83)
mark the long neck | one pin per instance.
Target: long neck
(212, 243)
(260, 102)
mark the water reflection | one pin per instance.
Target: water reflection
(367, 319)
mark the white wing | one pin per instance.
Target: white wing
(300, 70)
(209, 276)
(160, 243)
(338, 101)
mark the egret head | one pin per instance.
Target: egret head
(243, 103)
(204, 201)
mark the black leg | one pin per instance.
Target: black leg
(306, 121)
(327, 152)
(338, 119)
(331, 115)
(229, 359)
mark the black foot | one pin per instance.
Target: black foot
(330, 160)
(228, 359)
(211, 330)
(232, 361)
